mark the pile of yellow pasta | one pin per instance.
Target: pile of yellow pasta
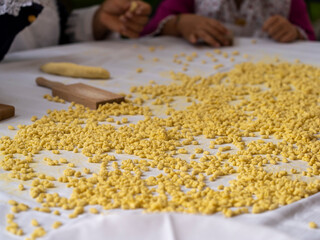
(254, 117)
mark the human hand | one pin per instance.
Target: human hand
(118, 16)
(281, 30)
(194, 28)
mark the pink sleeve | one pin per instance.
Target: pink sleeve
(165, 9)
(299, 17)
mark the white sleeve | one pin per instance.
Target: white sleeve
(79, 25)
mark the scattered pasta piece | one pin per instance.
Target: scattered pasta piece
(11, 127)
(152, 49)
(56, 212)
(218, 66)
(38, 232)
(313, 225)
(34, 118)
(34, 223)
(235, 53)
(21, 187)
(56, 225)
(133, 6)
(53, 99)
(93, 211)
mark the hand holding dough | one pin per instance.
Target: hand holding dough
(74, 70)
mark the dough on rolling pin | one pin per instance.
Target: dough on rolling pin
(74, 70)
(133, 6)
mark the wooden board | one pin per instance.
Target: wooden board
(6, 111)
(81, 93)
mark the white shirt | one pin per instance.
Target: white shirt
(45, 30)
(252, 14)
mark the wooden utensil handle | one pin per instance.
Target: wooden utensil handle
(48, 84)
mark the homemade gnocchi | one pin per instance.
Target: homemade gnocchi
(256, 116)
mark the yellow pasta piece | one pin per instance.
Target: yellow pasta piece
(34, 118)
(74, 70)
(38, 232)
(93, 210)
(218, 66)
(133, 6)
(139, 70)
(34, 223)
(56, 225)
(313, 225)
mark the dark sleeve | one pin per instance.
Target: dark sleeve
(10, 26)
(299, 17)
(64, 13)
(165, 9)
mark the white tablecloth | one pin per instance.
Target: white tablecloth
(18, 88)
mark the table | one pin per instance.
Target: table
(17, 87)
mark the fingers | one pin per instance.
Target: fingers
(194, 27)
(141, 20)
(212, 35)
(143, 9)
(115, 6)
(116, 16)
(218, 26)
(280, 34)
(111, 22)
(280, 29)
(205, 36)
(208, 38)
(129, 33)
(216, 34)
(134, 27)
(212, 32)
(134, 21)
(289, 37)
(269, 23)
(278, 26)
(193, 39)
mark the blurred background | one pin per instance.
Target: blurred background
(312, 5)
(314, 13)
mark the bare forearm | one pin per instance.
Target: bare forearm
(195, 28)
(100, 31)
(171, 27)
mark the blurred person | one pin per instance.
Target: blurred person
(314, 12)
(216, 21)
(30, 24)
